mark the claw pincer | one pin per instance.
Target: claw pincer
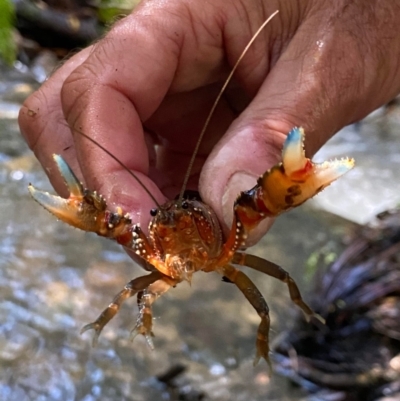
(185, 235)
(289, 183)
(84, 209)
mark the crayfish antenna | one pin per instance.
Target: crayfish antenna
(211, 113)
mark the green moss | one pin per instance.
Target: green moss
(8, 48)
(321, 258)
(109, 10)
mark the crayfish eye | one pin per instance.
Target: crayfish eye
(185, 205)
(153, 212)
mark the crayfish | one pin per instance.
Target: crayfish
(185, 236)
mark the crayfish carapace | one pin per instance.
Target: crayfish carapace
(185, 235)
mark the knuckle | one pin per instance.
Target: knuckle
(73, 92)
(79, 87)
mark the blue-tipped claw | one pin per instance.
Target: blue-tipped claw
(297, 165)
(64, 209)
(83, 209)
(293, 156)
(298, 178)
(71, 181)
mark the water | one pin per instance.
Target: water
(54, 279)
(373, 186)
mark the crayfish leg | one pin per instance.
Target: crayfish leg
(145, 299)
(254, 296)
(275, 271)
(130, 289)
(84, 209)
(297, 178)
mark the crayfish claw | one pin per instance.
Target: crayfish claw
(60, 207)
(331, 170)
(293, 154)
(298, 167)
(297, 178)
(84, 209)
(74, 211)
(71, 181)
(80, 209)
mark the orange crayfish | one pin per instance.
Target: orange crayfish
(185, 235)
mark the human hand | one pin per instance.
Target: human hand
(154, 76)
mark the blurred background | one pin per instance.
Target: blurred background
(54, 279)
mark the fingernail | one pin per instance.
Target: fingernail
(242, 182)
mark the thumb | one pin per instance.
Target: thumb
(327, 77)
(246, 151)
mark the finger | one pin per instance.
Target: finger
(43, 125)
(321, 85)
(178, 124)
(109, 100)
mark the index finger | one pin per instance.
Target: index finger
(118, 87)
(107, 97)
